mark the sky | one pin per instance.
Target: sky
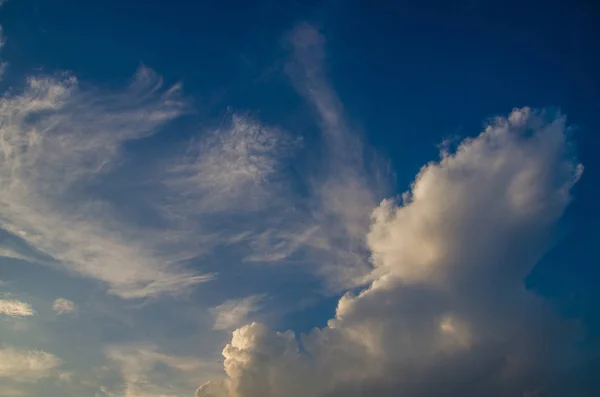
(299, 198)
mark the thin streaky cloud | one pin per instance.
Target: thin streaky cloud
(55, 138)
(343, 193)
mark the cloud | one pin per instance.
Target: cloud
(448, 300)
(213, 389)
(347, 186)
(65, 377)
(147, 372)
(233, 168)
(15, 308)
(58, 139)
(62, 306)
(26, 365)
(234, 313)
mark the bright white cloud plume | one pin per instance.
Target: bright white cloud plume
(448, 300)
(15, 308)
(26, 365)
(234, 313)
(62, 306)
(56, 140)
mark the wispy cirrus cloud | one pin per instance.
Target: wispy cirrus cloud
(233, 168)
(57, 138)
(346, 187)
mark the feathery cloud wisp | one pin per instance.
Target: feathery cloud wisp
(233, 168)
(55, 139)
(346, 188)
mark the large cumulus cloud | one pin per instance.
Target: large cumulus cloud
(447, 313)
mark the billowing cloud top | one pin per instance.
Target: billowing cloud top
(447, 301)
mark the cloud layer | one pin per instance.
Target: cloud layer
(448, 300)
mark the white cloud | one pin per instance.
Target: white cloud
(62, 306)
(26, 365)
(232, 168)
(234, 313)
(149, 373)
(346, 188)
(56, 139)
(448, 300)
(15, 308)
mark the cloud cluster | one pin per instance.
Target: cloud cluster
(447, 313)
(61, 144)
(15, 308)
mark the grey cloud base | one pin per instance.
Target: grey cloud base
(447, 313)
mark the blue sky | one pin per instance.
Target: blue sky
(299, 198)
